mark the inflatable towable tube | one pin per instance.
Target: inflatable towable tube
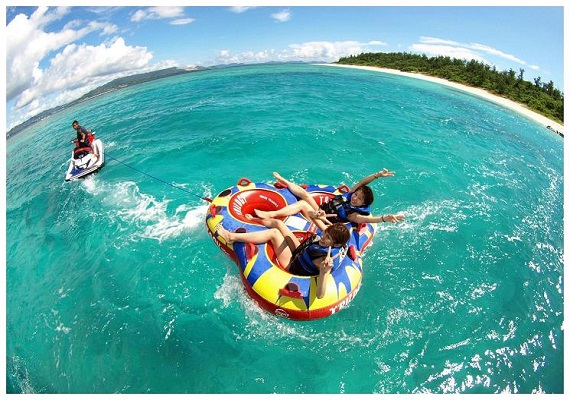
(270, 285)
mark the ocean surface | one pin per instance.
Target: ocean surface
(114, 286)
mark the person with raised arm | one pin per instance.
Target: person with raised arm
(353, 206)
(316, 255)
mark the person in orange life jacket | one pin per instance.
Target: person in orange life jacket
(316, 255)
(348, 207)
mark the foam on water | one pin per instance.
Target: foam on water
(127, 205)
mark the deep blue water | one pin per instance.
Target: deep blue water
(113, 285)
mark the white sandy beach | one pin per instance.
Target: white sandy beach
(475, 91)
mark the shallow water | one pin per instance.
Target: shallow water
(113, 285)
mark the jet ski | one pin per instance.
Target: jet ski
(85, 160)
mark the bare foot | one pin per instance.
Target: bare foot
(223, 232)
(281, 179)
(263, 214)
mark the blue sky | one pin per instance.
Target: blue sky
(57, 54)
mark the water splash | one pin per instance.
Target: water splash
(145, 216)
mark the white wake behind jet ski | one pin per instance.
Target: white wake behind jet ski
(85, 161)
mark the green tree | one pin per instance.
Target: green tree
(540, 97)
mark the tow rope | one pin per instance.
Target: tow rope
(158, 179)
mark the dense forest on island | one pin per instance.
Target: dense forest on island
(538, 96)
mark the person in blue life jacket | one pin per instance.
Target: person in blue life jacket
(353, 206)
(316, 255)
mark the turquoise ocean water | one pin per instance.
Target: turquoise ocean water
(114, 286)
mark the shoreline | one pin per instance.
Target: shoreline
(510, 104)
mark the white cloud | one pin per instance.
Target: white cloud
(495, 52)
(182, 21)
(282, 16)
(450, 51)
(476, 51)
(168, 12)
(325, 50)
(432, 40)
(108, 29)
(307, 51)
(28, 43)
(241, 9)
(377, 43)
(139, 15)
(80, 68)
(157, 13)
(48, 68)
